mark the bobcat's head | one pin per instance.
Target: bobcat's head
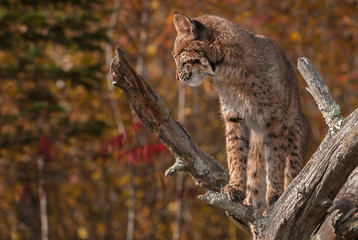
(190, 51)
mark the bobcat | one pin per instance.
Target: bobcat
(266, 131)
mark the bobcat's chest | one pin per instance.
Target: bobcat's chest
(234, 104)
(240, 104)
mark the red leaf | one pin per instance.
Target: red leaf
(121, 157)
(46, 148)
(119, 140)
(132, 157)
(104, 150)
(145, 152)
(136, 126)
(25, 193)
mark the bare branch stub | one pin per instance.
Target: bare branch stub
(246, 214)
(178, 166)
(320, 92)
(333, 225)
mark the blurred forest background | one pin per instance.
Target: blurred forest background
(74, 164)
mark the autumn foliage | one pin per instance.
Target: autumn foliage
(55, 105)
(118, 145)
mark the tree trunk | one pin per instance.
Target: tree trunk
(114, 104)
(43, 199)
(303, 206)
(139, 136)
(179, 183)
(131, 207)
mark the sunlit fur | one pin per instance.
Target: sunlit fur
(266, 131)
(192, 67)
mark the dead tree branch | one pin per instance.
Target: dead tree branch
(150, 109)
(320, 92)
(240, 211)
(340, 222)
(303, 205)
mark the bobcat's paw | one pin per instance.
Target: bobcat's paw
(234, 192)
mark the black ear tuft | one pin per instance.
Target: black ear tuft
(196, 29)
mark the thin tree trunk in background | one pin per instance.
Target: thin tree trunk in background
(43, 199)
(137, 140)
(179, 185)
(106, 215)
(143, 37)
(106, 211)
(109, 51)
(179, 190)
(131, 207)
(196, 100)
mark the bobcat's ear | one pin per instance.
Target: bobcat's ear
(186, 26)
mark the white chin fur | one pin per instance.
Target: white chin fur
(195, 83)
(196, 80)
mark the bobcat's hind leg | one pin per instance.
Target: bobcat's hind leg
(275, 154)
(296, 150)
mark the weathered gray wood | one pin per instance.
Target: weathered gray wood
(320, 92)
(303, 205)
(241, 211)
(339, 226)
(342, 218)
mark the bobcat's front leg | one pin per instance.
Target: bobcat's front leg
(237, 141)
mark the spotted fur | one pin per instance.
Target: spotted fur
(266, 131)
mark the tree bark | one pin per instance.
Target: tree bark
(341, 221)
(304, 204)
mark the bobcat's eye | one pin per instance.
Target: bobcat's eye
(192, 62)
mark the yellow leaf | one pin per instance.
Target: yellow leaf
(295, 36)
(101, 229)
(96, 175)
(151, 49)
(154, 5)
(82, 233)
